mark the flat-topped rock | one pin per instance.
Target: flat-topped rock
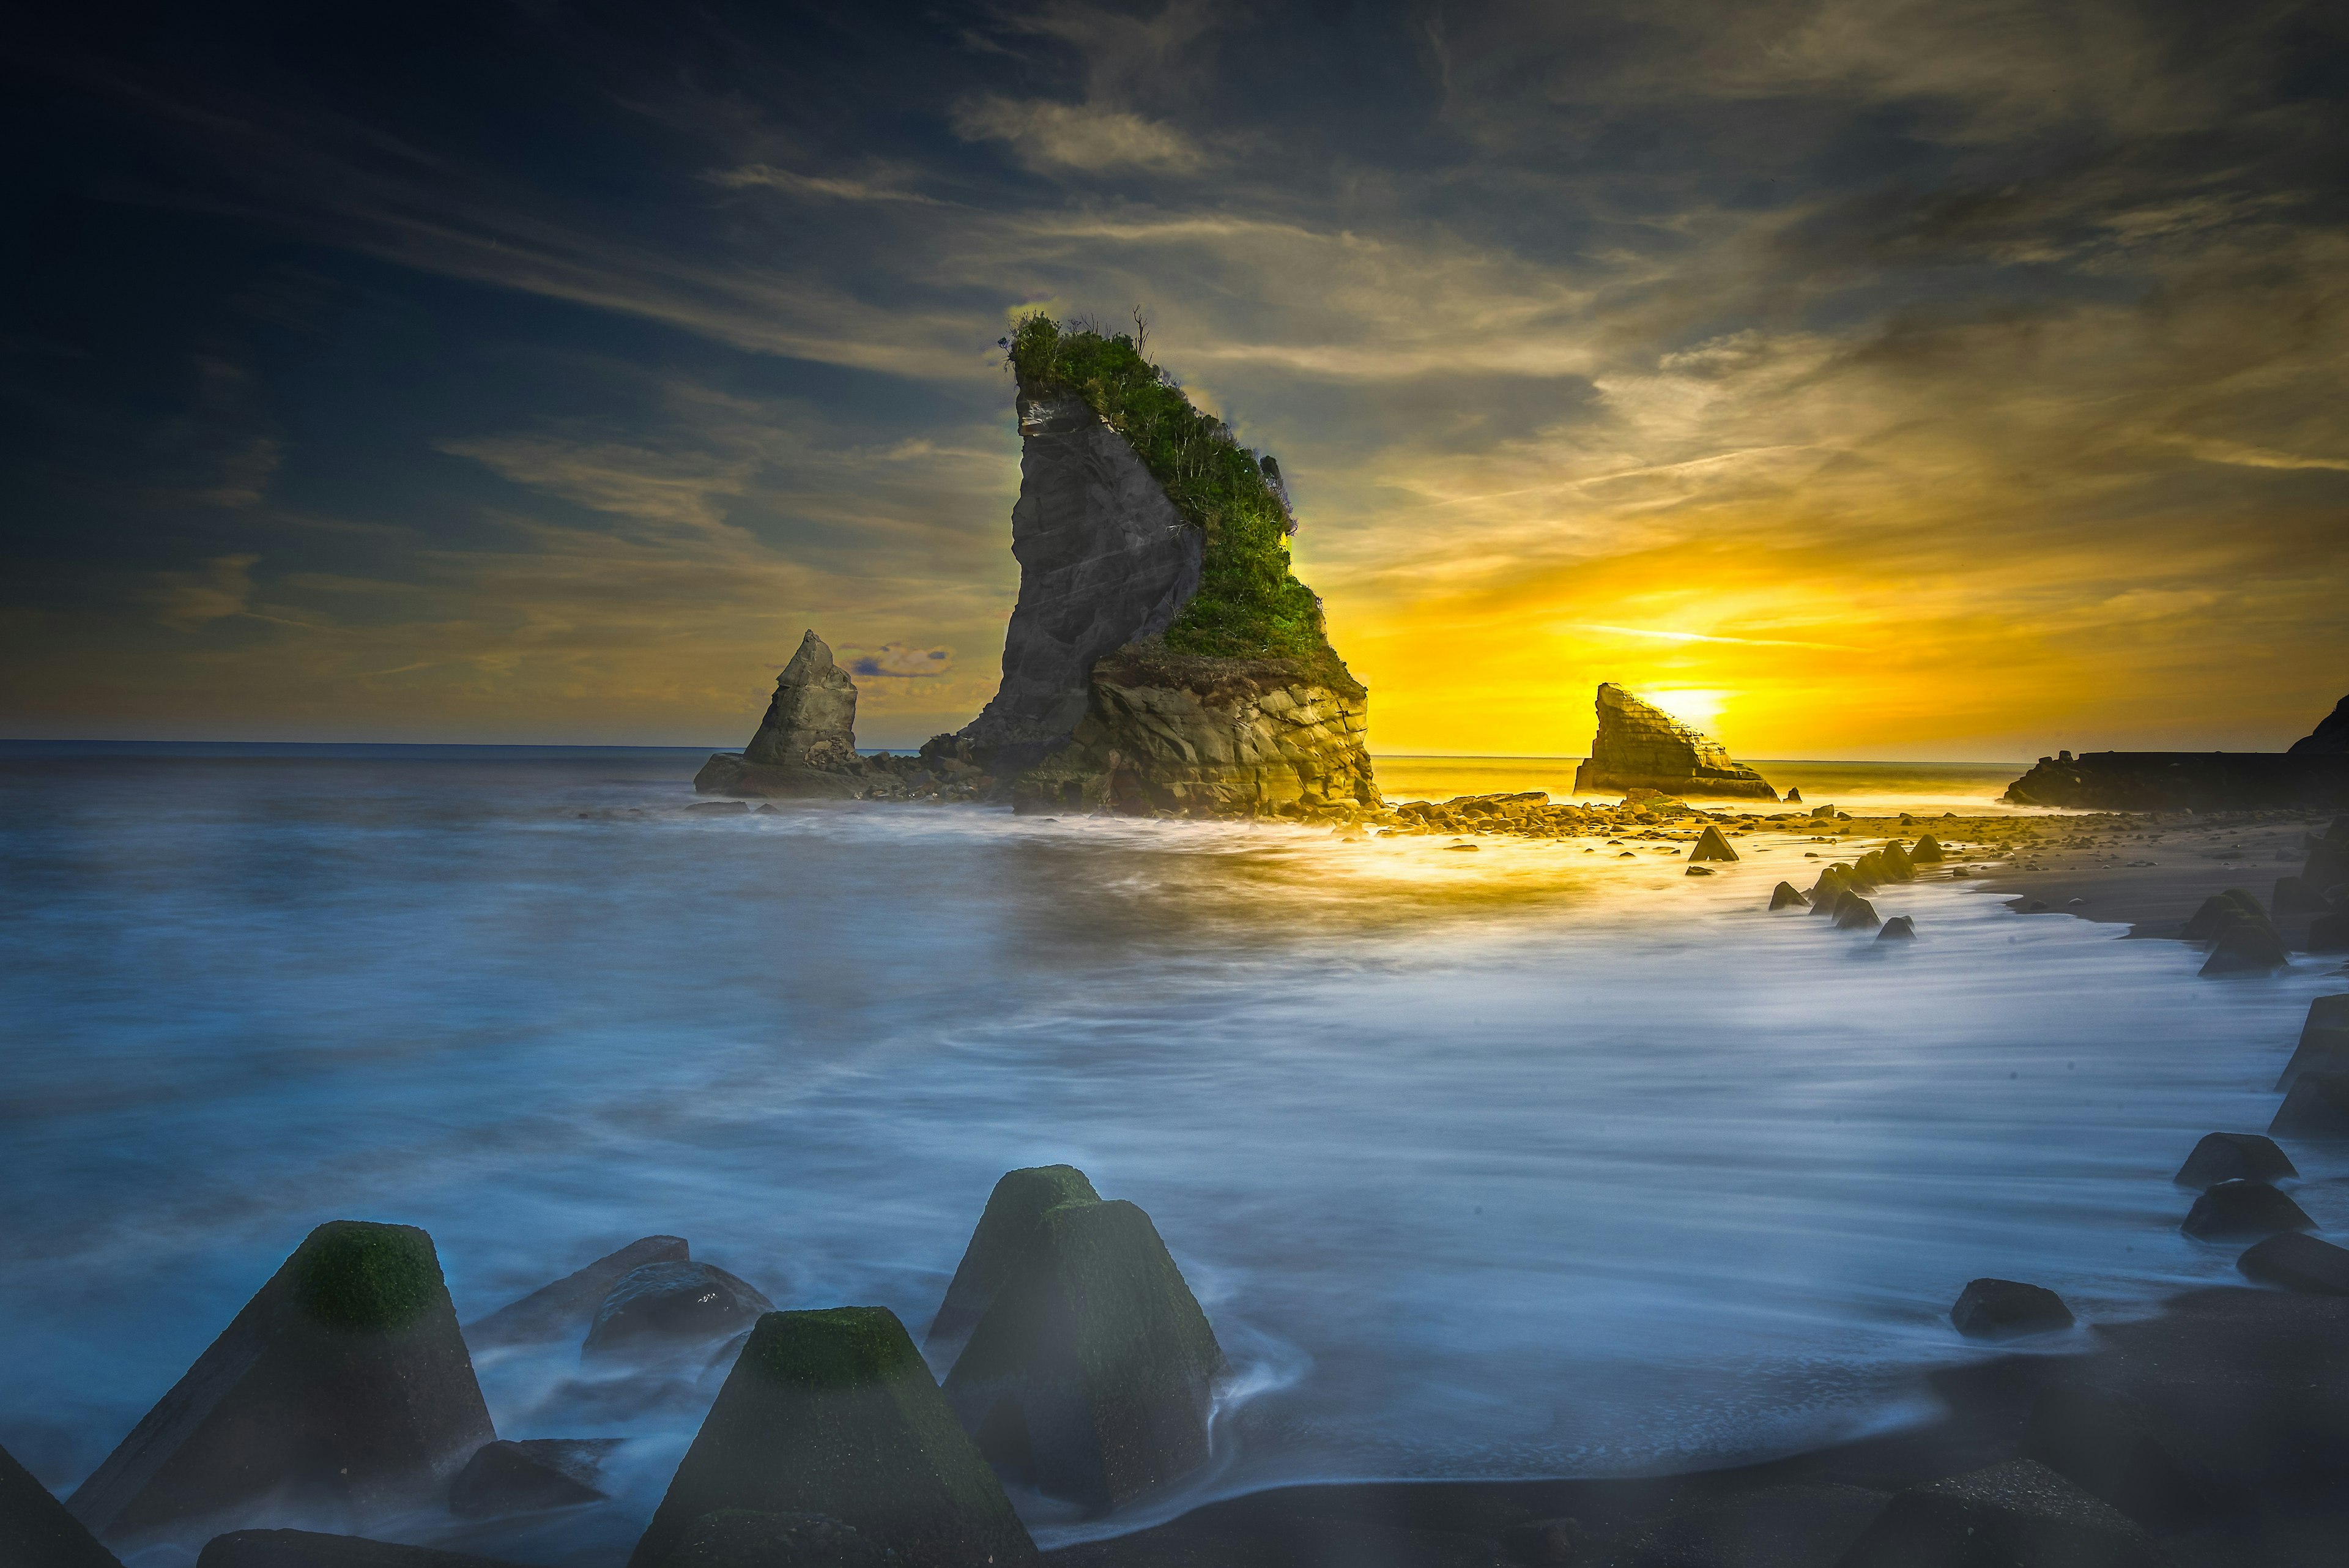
(2317, 1107)
(36, 1530)
(1007, 1228)
(2008, 1309)
(2234, 1157)
(2238, 1210)
(344, 1386)
(2296, 1261)
(835, 1413)
(564, 1309)
(1092, 1371)
(1639, 746)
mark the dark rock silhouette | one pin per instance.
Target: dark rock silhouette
(2018, 1515)
(1926, 851)
(2119, 1450)
(2192, 781)
(526, 1477)
(2317, 1107)
(661, 1306)
(2329, 739)
(36, 1530)
(835, 1413)
(1899, 929)
(1008, 1225)
(2324, 1035)
(308, 1549)
(564, 1309)
(1092, 1371)
(1640, 746)
(2298, 1262)
(2238, 1210)
(343, 1384)
(1854, 913)
(739, 1538)
(2005, 1309)
(1711, 845)
(805, 746)
(1785, 896)
(2233, 1156)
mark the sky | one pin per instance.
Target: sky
(1856, 378)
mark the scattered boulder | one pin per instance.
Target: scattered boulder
(2317, 1107)
(1927, 850)
(740, 1538)
(2117, 1448)
(528, 1477)
(308, 1549)
(665, 1304)
(565, 1309)
(1785, 896)
(2008, 1309)
(36, 1530)
(1711, 845)
(2234, 1157)
(1092, 1372)
(2298, 1262)
(1015, 1211)
(1699, 871)
(1899, 929)
(835, 1413)
(343, 1384)
(2018, 1515)
(1854, 913)
(2236, 1211)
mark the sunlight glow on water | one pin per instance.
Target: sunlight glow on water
(1507, 1163)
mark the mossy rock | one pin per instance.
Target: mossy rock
(835, 1413)
(345, 1384)
(1093, 1370)
(740, 1538)
(1007, 1227)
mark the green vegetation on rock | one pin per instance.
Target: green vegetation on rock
(1249, 604)
(350, 1274)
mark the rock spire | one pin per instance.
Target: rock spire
(1639, 746)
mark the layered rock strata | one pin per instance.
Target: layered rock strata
(1165, 732)
(1639, 746)
(805, 746)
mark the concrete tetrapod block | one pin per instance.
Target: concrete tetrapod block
(1854, 913)
(2324, 1042)
(564, 1309)
(1014, 1211)
(36, 1530)
(1899, 929)
(1832, 884)
(2298, 1262)
(2317, 1109)
(2246, 947)
(2220, 909)
(308, 1549)
(2005, 1309)
(2119, 1450)
(1093, 1370)
(2018, 1515)
(343, 1385)
(1898, 867)
(528, 1476)
(2234, 1157)
(2238, 1210)
(1927, 849)
(1711, 845)
(1785, 896)
(738, 1538)
(835, 1413)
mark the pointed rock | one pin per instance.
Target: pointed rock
(1833, 883)
(738, 1538)
(527, 1477)
(1711, 845)
(36, 1530)
(2238, 1210)
(1639, 746)
(1854, 913)
(343, 1383)
(2233, 1156)
(308, 1549)
(1015, 1213)
(2298, 1262)
(1927, 850)
(2324, 1034)
(1785, 896)
(835, 1413)
(2222, 909)
(1897, 864)
(2317, 1107)
(1093, 1369)
(1899, 929)
(565, 1309)
(805, 746)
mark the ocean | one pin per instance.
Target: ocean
(1524, 1162)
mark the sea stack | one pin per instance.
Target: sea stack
(805, 746)
(1639, 746)
(2329, 739)
(343, 1387)
(1162, 656)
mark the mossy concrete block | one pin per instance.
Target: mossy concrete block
(1854, 913)
(1786, 896)
(739, 1538)
(2243, 946)
(1899, 929)
(2008, 1309)
(2018, 1515)
(835, 1413)
(1015, 1211)
(2317, 1109)
(1898, 867)
(2234, 1157)
(2238, 1210)
(36, 1530)
(343, 1384)
(309, 1549)
(2297, 1262)
(1711, 845)
(565, 1309)
(2222, 909)
(1093, 1370)
(530, 1477)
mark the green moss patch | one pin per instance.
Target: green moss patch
(1249, 604)
(351, 1274)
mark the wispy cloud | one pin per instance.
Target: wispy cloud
(1048, 135)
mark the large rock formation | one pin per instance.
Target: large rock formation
(2192, 781)
(1639, 746)
(805, 747)
(342, 1386)
(565, 1309)
(2330, 736)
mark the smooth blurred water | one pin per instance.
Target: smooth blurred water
(1524, 1162)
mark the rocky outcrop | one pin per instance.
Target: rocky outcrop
(1639, 746)
(2330, 738)
(805, 747)
(565, 1309)
(1105, 560)
(2190, 781)
(1210, 737)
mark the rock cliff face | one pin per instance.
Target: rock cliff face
(2330, 736)
(1104, 559)
(1639, 746)
(805, 747)
(1210, 737)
